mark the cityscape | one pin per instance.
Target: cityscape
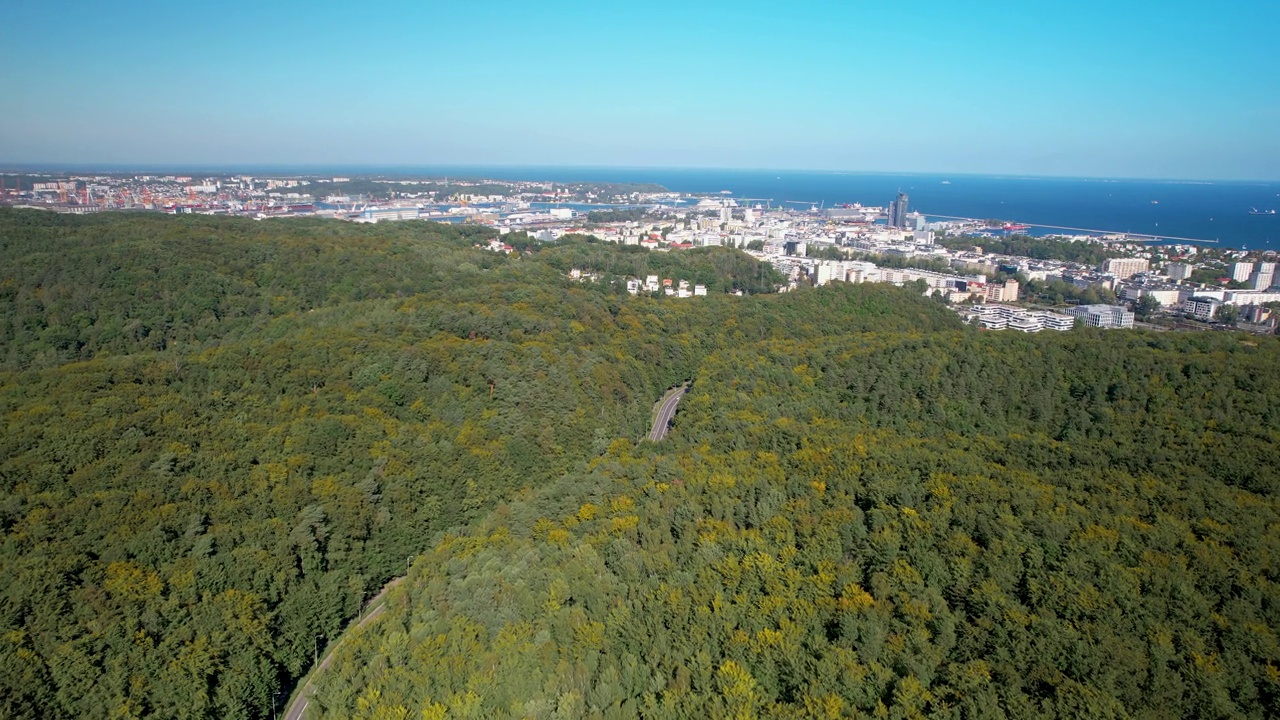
(1172, 286)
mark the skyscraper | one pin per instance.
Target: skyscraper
(898, 211)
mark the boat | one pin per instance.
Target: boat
(946, 182)
(1155, 202)
(1256, 211)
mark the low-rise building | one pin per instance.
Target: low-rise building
(1111, 317)
(1005, 317)
(1202, 308)
(388, 214)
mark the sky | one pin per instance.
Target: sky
(1095, 88)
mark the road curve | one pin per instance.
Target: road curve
(303, 699)
(665, 412)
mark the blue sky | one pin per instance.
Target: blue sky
(1123, 88)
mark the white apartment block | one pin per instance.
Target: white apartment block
(1005, 317)
(1240, 271)
(1123, 268)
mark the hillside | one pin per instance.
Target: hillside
(220, 435)
(949, 525)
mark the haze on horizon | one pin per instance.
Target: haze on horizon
(1104, 89)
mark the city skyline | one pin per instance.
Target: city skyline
(1094, 90)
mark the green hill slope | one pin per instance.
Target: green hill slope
(219, 435)
(950, 525)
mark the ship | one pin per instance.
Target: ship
(1256, 211)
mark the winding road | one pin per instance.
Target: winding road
(666, 410)
(303, 698)
(375, 607)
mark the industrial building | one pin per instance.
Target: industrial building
(388, 214)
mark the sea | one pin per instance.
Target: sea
(1213, 213)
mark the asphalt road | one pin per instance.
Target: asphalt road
(303, 699)
(665, 412)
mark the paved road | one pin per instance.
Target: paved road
(665, 412)
(303, 698)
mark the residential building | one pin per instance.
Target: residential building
(1123, 268)
(1240, 271)
(1005, 317)
(1008, 292)
(1178, 272)
(1111, 317)
(1263, 277)
(1255, 314)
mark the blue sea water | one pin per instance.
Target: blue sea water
(1216, 212)
(1209, 211)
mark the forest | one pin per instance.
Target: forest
(220, 436)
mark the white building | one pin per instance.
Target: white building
(1005, 317)
(1112, 317)
(1202, 308)
(1240, 271)
(1263, 277)
(1123, 268)
(388, 214)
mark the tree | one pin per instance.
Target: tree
(1145, 307)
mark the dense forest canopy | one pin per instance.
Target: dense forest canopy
(221, 435)
(952, 525)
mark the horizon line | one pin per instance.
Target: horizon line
(412, 168)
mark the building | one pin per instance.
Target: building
(898, 211)
(1240, 271)
(1202, 308)
(1005, 317)
(388, 214)
(1178, 272)
(1008, 292)
(1255, 314)
(1263, 277)
(1111, 317)
(1123, 268)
